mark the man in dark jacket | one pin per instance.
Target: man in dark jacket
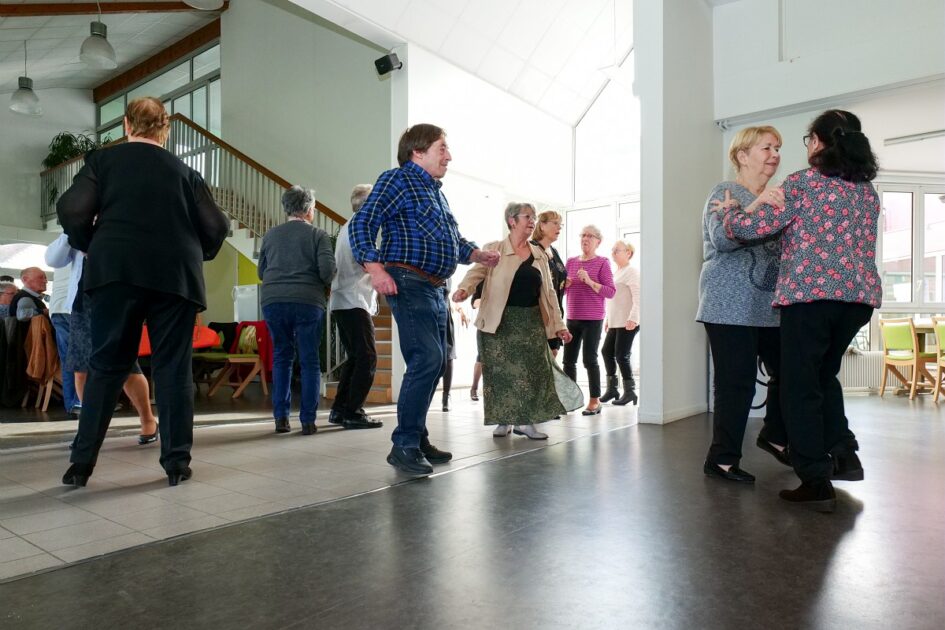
(147, 222)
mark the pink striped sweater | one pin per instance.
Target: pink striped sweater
(582, 301)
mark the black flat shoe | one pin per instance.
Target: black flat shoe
(782, 456)
(309, 428)
(409, 460)
(732, 474)
(174, 478)
(77, 475)
(847, 467)
(361, 421)
(433, 454)
(592, 412)
(816, 494)
(147, 439)
(282, 425)
(335, 417)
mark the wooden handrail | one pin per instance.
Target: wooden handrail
(328, 212)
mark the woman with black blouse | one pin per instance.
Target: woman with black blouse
(547, 229)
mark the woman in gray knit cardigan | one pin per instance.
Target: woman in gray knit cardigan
(736, 288)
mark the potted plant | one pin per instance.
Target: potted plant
(64, 147)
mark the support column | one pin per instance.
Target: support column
(680, 162)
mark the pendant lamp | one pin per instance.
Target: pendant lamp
(24, 100)
(205, 5)
(96, 52)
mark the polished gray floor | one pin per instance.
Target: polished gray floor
(616, 530)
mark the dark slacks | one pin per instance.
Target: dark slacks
(118, 311)
(814, 337)
(735, 353)
(356, 329)
(618, 342)
(584, 332)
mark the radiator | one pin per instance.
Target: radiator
(862, 370)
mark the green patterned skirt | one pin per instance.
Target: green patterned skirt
(521, 383)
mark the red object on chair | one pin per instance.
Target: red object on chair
(204, 337)
(263, 343)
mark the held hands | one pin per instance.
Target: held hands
(564, 335)
(486, 259)
(459, 295)
(772, 197)
(631, 325)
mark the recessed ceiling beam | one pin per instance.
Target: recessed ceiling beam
(91, 8)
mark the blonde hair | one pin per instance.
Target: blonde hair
(746, 138)
(147, 118)
(545, 217)
(627, 245)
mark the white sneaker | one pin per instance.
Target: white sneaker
(529, 431)
(501, 430)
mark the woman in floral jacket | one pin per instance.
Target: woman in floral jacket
(827, 288)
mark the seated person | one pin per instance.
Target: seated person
(28, 301)
(7, 291)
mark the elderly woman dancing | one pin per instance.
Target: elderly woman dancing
(518, 314)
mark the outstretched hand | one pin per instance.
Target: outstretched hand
(728, 202)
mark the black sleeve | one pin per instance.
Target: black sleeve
(211, 223)
(78, 207)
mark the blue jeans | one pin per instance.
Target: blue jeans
(420, 313)
(295, 328)
(70, 398)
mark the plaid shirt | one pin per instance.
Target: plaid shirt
(418, 227)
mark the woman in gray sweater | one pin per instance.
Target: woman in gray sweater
(736, 288)
(296, 265)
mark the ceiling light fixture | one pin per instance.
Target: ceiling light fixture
(205, 5)
(96, 52)
(24, 100)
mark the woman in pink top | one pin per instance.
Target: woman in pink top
(828, 286)
(592, 283)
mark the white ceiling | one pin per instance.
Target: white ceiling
(53, 43)
(547, 52)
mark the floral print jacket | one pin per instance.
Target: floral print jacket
(828, 239)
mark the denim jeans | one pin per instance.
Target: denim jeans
(295, 328)
(420, 312)
(60, 322)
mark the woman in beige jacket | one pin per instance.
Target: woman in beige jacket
(522, 385)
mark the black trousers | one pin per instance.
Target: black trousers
(618, 342)
(117, 312)
(814, 337)
(356, 329)
(735, 353)
(586, 332)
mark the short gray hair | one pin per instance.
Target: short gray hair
(593, 230)
(514, 208)
(5, 284)
(359, 195)
(297, 201)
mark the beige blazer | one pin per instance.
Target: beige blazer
(498, 281)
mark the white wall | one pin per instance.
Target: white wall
(301, 97)
(25, 143)
(682, 150)
(765, 59)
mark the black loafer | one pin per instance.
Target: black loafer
(361, 421)
(309, 428)
(409, 460)
(732, 474)
(77, 475)
(816, 494)
(282, 425)
(847, 467)
(336, 417)
(175, 477)
(147, 439)
(782, 456)
(433, 454)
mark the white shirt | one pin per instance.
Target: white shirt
(351, 287)
(625, 305)
(60, 255)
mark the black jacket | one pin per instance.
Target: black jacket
(144, 218)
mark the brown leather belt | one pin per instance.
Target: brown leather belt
(434, 280)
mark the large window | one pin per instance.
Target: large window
(190, 87)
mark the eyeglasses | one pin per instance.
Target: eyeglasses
(552, 222)
(589, 236)
(806, 139)
(528, 217)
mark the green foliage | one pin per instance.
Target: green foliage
(66, 146)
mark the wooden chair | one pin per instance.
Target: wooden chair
(901, 349)
(239, 368)
(938, 324)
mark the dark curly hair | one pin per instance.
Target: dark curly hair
(846, 153)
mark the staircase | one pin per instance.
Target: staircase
(381, 388)
(251, 196)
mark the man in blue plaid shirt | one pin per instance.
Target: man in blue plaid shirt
(420, 250)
